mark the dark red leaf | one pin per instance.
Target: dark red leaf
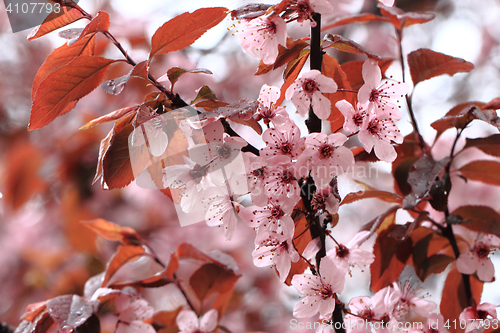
(459, 116)
(183, 30)
(124, 254)
(423, 173)
(382, 195)
(489, 145)
(112, 231)
(65, 85)
(479, 218)
(118, 170)
(112, 116)
(291, 75)
(249, 11)
(353, 71)
(69, 311)
(100, 23)
(344, 44)
(331, 68)
(174, 73)
(141, 70)
(362, 18)
(55, 21)
(454, 299)
(290, 53)
(61, 57)
(301, 238)
(426, 259)
(210, 279)
(483, 171)
(425, 64)
(390, 258)
(494, 104)
(401, 19)
(92, 325)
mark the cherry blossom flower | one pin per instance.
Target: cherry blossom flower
(308, 90)
(281, 183)
(221, 209)
(345, 256)
(275, 249)
(187, 321)
(305, 8)
(353, 117)
(319, 290)
(156, 137)
(193, 179)
(269, 112)
(477, 259)
(363, 313)
(133, 310)
(261, 36)
(377, 133)
(288, 143)
(325, 157)
(272, 216)
(382, 97)
(407, 300)
(480, 313)
(325, 200)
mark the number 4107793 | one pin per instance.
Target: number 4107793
(483, 323)
(33, 8)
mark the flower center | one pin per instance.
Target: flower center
(481, 250)
(309, 86)
(358, 119)
(198, 172)
(224, 152)
(286, 148)
(287, 177)
(326, 292)
(277, 213)
(374, 96)
(326, 151)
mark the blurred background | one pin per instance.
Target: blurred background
(46, 175)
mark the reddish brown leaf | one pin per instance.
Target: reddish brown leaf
(33, 310)
(103, 148)
(141, 70)
(100, 23)
(210, 279)
(423, 173)
(291, 76)
(353, 71)
(249, 11)
(65, 85)
(362, 18)
(426, 64)
(124, 254)
(290, 53)
(55, 21)
(400, 19)
(382, 195)
(174, 73)
(204, 93)
(301, 238)
(167, 318)
(479, 218)
(112, 116)
(454, 299)
(459, 116)
(494, 104)
(40, 325)
(390, 258)
(114, 232)
(489, 145)
(382, 222)
(118, 170)
(183, 30)
(62, 56)
(483, 171)
(426, 259)
(69, 311)
(332, 69)
(344, 44)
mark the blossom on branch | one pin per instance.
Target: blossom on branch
(379, 96)
(305, 8)
(346, 256)
(377, 133)
(353, 118)
(269, 112)
(319, 290)
(308, 91)
(261, 36)
(325, 157)
(476, 316)
(477, 259)
(286, 143)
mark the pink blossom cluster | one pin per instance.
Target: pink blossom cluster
(374, 115)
